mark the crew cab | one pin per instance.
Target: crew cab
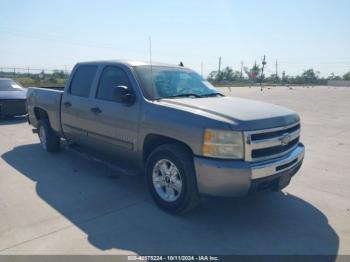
(186, 137)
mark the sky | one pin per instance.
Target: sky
(299, 34)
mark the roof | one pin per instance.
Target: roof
(131, 63)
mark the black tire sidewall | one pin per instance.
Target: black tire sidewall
(187, 175)
(52, 140)
(42, 126)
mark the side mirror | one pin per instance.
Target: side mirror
(123, 94)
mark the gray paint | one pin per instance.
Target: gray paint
(122, 129)
(241, 114)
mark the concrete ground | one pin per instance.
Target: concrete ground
(64, 204)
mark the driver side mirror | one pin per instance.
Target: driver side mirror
(123, 94)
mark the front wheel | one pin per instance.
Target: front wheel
(171, 178)
(49, 141)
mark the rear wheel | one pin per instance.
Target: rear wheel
(49, 141)
(171, 178)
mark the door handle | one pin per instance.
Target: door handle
(96, 110)
(67, 104)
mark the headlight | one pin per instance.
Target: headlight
(223, 144)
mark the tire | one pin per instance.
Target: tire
(49, 141)
(185, 197)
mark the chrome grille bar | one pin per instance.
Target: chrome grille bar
(278, 138)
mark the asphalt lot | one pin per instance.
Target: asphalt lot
(64, 204)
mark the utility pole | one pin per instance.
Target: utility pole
(276, 68)
(241, 69)
(262, 72)
(202, 69)
(219, 64)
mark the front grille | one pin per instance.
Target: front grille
(271, 143)
(273, 150)
(13, 107)
(274, 133)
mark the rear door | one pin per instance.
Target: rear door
(115, 123)
(76, 116)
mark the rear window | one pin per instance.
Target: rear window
(82, 80)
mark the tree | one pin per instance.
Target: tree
(309, 76)
(332, 76)
(58, 73)
(212, 76)
(347, 76)
(219, 76)
(273, 78)
(227, 75)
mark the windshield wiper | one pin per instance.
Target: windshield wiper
(180, 95)
(212, 94)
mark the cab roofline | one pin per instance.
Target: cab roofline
(133, 63)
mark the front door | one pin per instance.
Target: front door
(116, 123)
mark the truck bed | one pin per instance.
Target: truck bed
(48, 100)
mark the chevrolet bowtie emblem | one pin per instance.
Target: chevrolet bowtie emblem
(285, 139)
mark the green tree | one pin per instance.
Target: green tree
(309, 76)
(228, 74)
(212, 75)
(332, 76)
(347, 76)
(58, 73)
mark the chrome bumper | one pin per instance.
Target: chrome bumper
(276, 166)
(235, 178)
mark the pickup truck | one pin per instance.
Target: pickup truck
(166, 121)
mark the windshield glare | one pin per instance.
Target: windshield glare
(172, 82)
(9, 85)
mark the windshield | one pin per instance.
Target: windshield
(173, 82)
(9, 85)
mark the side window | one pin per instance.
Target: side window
(82, 80)
(111, 77)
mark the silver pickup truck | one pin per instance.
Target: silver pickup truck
(168, 122)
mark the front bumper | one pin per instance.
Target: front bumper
(219, 177)
(13, 107)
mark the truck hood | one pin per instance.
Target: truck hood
(21, 94)
(242, 114)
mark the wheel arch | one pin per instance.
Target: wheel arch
(152, 141)
(40, 113)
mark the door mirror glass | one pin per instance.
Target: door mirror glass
(123, 94)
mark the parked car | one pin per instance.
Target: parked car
(12, 98)
(166, 120)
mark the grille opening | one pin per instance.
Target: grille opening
(256, 153)
(273, 134)
(14, 106)
(286, 165)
